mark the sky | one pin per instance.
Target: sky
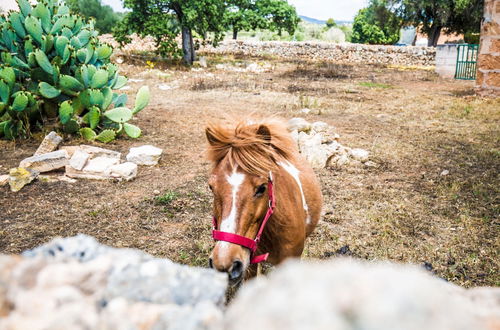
(343, 10)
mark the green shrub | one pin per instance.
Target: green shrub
(53, 68)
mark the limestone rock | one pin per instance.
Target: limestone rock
(144, 155)
(100, 152)
(77, 283)
(299, 125)
(360, 154)
(348, 294)
(96, 168)
(79, 159)
(49, 143)
(46, 162)
(125, 171)
(4, 179)
(19, 177)
(320, 126)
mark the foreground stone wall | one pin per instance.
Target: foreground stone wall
(488, 73)
(353, 53)
(77, 283)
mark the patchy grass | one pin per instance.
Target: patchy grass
(370, 84)
(414, 124)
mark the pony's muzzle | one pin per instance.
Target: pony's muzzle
(235, 272)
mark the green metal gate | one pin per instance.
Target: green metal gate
(466, 62)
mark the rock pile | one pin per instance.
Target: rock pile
(77, 283)
(318, 143)
(348, 295)
(78, 162)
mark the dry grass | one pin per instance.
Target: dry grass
(415, 125)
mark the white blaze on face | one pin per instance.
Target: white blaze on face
(228, 224)
(294, 172)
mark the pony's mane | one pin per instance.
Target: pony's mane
(254, 147)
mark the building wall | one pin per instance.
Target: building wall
(488, 73)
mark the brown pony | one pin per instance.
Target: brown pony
(246, 158)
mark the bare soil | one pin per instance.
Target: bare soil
(414, 124)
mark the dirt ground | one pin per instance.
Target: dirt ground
(415, 125)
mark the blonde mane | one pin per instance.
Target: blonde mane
(254, 147)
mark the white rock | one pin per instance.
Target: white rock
(305, 111)
(311, 148)
(164, 87)
(346, 294)
(132, 80)
(298, 124)
(360, 154)
(4, 179)
(98, 152)
(295, 136)
(49, 144)
(320, 126)
(370, 164)
(46, 162)
(100, 164)
(203, 61)
(445, 173)
(219, 66)
(144, 155)
(79, 159)
(125, 171)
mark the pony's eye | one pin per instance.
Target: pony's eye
(260, 190)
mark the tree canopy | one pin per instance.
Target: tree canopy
(104, 16)
(274, 15)
(434, 16)
(376, 24)
(165, 19)
(330, 23)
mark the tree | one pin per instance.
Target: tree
(434, 16)
(279, 14)
(104, 16)
(330, 23)
(376, 24)
(274, 15)
(242, 15)
(164, 19)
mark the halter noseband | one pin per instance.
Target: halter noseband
(250, 244)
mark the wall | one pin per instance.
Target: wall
(354, 53)
(488, 75)
(446, 60)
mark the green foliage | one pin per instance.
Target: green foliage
(376, 25)
(330, 23)
(164, 20)
(434, 16)
(166, 198)
(52, 66)
(105, 17)
(249, 15)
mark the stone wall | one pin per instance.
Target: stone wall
(488, 73)
(353, 53)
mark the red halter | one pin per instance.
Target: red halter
(251, 244)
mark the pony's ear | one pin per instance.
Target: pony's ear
(211, 136)
(264, 133)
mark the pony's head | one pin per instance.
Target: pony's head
(243, 156)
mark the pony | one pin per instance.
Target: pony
(266, 197)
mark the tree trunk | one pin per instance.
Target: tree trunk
(433, 35)
(187, 46)
(235, 34)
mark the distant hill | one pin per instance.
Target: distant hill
(320, 22)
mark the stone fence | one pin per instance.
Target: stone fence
(353, 53)
(345, 52)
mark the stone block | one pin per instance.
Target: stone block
(79, 159)
(19, 177)
(49, 144)
(46, 162)
(144, 155)
(125, 171)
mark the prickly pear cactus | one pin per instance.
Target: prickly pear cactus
(53, 67)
